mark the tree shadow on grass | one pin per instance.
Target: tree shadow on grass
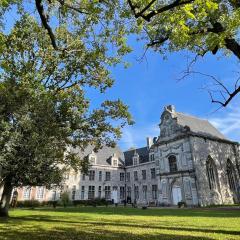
(85, 222)
(70, 233)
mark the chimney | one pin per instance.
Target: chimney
(149, 142)
(170, 108)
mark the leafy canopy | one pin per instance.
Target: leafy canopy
(48, 58)
(200, 26)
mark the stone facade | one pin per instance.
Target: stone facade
(193, 160)
(190, 161)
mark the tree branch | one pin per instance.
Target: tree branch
(233, 46)
(153, 13)
(44, 19)
(77, 9)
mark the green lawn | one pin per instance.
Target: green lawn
(121, 223)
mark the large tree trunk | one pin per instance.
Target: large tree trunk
(5, 198)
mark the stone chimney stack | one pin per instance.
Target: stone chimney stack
(170, 108)
(149, 142)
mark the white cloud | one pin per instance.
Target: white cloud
(228, 123)
(135, 136)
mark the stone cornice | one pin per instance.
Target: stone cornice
(193, 134)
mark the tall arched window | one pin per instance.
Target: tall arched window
(231, 175)
(212, 173)
(172, 163)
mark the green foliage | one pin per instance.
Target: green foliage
(48, 59)
(44, 108)
(200, 26)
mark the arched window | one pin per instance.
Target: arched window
(212, 173)
(172, 163)
(231, 175)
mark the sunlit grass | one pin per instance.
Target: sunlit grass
(121, 223)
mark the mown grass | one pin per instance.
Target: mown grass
(121, 223)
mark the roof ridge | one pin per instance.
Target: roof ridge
(192, 116)
(134, 149)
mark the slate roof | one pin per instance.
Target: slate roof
(142, 152)
(199, 126)
(103, 155)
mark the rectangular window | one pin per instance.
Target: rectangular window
(100, 176)
(40, 193)
(82, 192)
(99, 192)
(152, 157)
(73, 192)
(91, 175)
(27, 193)
(136, 192)
(145, 192)
(154, 191)
(129, 193)
(91, 192)
(153, 173)
(122, 176)
(144, 174)
(115, 162)
(128, 176)
(83, 177)
(107, 192)
(135, 161)
(135, 176)
(122, 193)
(108, 176)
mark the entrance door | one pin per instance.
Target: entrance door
(177, 195)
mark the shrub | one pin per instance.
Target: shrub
(92, 202)
(182, 204)
(53, 203)
(28, 204)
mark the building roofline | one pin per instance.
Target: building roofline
(193, 134)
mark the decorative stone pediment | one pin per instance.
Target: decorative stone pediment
(168, 125)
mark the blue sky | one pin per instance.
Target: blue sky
(150, 84)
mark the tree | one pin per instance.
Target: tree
(44, 108)
(200, 26)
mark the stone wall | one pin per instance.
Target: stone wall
(220, 152)
(144, 197)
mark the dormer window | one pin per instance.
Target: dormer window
(114, 160)
(135, 160)
(92, 158)
(151, 157)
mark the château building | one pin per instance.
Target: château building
(190, 161)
